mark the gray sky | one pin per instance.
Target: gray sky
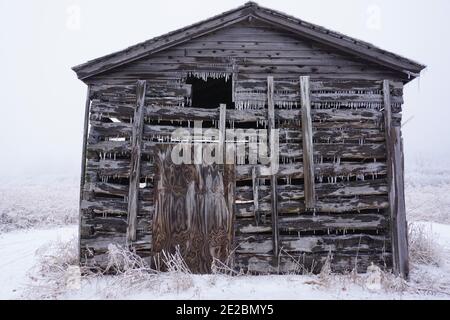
(42, 102)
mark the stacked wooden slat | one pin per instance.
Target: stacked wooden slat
(350, 224)
(104, 206)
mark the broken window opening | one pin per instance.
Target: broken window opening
(211, 93)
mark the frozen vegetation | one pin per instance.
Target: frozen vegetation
(38, 232)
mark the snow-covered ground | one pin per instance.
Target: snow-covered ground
(38, 249)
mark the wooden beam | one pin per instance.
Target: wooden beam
(307, 135)
(273, 177)
(400, 206)
(255, 186)
(395, 184)
(222, 131)
(135, 173)
(83, 162)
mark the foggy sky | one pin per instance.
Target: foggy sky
(42, 101)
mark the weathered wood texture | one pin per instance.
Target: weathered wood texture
(252, 50)
(396, 189)
(348, 168)
(308, 152)
(191, 212)
(83, 161)
(136, 153)
(273, 177)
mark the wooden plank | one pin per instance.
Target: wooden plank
(400, 207)
(98, 226)
(355, 116)
(323, 190)
(273, 177)
(307, 143)
(391, 174)
(116, 207)
(362, 243)
(135, 173)
(222, 131)
(255, 195)
(295, 170)
(307, 263)
(83, 162)
(121, 168)
(354, 85)
(334, 150)
(351, 98)
(259, 85)
(325, 205)
(322, 222)
(117, 190)
(396, 188)
(229, 176)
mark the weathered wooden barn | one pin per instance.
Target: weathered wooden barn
(336, 103)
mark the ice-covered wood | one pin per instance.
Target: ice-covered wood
(396, 188)
(349, 162)
(273, 176)
(307, 142)
(136, 153)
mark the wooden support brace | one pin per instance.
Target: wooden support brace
(135, 172)
(273, 177)
(229, 172)
(222, 131)
(255, 185)
(307, 136)
(395, 173)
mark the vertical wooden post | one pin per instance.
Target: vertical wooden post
(229, 173)
(395, 173)
(135, 171)
(273, 177)
(83, 163)
(222, 132)
(255, 185)
(308, 152)
(402, 225)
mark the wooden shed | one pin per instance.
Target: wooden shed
(328, 106)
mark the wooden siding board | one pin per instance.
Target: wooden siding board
(136, 152)
(273, 177)
(307, 143)
(396, 188)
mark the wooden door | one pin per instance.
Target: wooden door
(193, 210)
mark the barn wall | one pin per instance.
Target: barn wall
(351, 220)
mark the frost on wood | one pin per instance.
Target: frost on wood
(348, 173)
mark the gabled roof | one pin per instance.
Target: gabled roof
(308, 30)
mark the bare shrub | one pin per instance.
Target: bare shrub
(423, 248)
(174, 262)
(121, 260)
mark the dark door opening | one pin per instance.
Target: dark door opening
(212, 92)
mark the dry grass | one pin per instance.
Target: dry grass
(49, 277)
(423, 248)
(57, 274)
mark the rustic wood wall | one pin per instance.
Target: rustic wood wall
(250, 50)
(353, 199)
